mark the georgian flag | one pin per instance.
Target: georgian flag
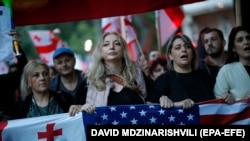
(113, 24)
(59, 127)
(62, 127)
(170, 20)
(45, 42)
(6, 47)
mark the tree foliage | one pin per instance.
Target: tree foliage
(75, 33)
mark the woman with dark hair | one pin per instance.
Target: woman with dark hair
(157, 67)
(183, 84)
(233, 81)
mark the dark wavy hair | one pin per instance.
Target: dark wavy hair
(153, 64)
(232, 56)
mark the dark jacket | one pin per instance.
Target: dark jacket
(62, 101)
(9, 83)
(56, 84)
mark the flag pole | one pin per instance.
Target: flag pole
(16, 37)
(238, 12)
(123, 30)
(139, 47)
(157, 27)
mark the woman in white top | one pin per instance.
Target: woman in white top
(233, 79)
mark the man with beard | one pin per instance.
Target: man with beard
(214, 43)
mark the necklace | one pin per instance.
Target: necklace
(41, 113)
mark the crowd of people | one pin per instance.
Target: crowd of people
(183, 76)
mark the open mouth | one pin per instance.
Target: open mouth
(184, 56)
(247, 49)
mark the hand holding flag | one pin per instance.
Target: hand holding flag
(59, 126)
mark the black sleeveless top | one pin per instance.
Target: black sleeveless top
(126, 96)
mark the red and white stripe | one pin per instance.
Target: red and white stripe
(218, 112)
(170, 20)
(45, 42)
(113, 24)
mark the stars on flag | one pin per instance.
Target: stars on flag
(141, 115)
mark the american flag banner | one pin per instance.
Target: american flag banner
(214, 112)
(62, 127)
(142, 115)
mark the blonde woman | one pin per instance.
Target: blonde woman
(112, 79)
(38, 99)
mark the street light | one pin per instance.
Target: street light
(88, 45)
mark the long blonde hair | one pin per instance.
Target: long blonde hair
(97, 71)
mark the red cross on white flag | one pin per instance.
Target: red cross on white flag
(170, 20)
(45, 42)
(50, 132)
(113, 24)
(58, 127)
